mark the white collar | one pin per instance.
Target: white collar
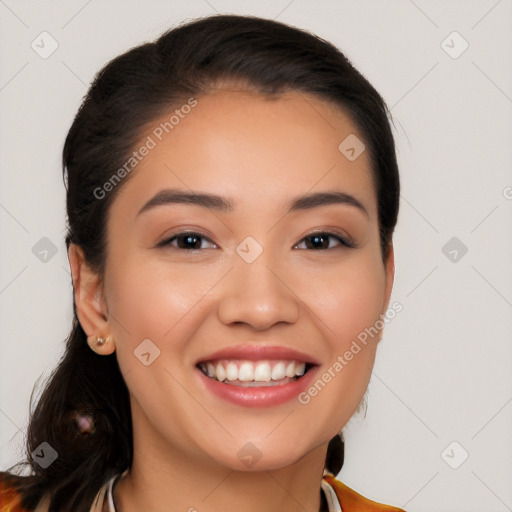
(333, 504)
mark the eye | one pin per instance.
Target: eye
(191, 241)
(186, 240)
(320, 241)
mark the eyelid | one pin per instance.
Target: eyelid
(165, 241)
(345, 240)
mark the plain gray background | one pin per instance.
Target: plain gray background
(441, 389)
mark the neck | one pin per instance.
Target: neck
(163, 478)
(267, 491)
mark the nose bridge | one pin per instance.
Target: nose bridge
(258, 276)
(255, 292)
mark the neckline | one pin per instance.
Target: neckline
(333, 502)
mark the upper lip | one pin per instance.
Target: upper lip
(257, 352)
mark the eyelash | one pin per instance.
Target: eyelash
(345, 242)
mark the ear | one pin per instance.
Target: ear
(89, 300)
(390, 277)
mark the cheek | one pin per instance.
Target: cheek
(156, 300)
(350, 301)
(349, 306)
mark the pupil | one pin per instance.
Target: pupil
(316, 239)
(189, 239)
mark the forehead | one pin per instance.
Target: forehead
(254, 149)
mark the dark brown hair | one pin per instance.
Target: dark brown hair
(132, 90)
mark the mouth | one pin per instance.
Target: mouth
(262, 373)
(256, 375)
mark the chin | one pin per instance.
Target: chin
(253, 456)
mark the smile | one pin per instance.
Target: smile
(264, 373)
(256, 374)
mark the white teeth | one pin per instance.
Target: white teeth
(300, 369)
(262, 372)
(246, 372)
(231, 371)
(290, 370)
(221, 373)
(278, 372)
(249, 372)
(210, 370)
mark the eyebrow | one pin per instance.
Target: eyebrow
(222, 204)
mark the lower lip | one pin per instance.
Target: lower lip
(258, 396)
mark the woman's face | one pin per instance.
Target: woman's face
(253, 276)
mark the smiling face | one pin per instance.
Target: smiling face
(270, 269)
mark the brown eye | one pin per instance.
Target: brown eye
(321, 241)
(186, 241)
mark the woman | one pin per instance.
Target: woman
(232, 191)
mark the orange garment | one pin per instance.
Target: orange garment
(349, 500)
(352, 501)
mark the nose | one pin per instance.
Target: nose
(259, 294)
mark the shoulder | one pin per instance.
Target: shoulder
(352, 501)
(10, 498)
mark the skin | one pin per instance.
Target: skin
(260, 153)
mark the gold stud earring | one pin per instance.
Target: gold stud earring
(97, 342)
